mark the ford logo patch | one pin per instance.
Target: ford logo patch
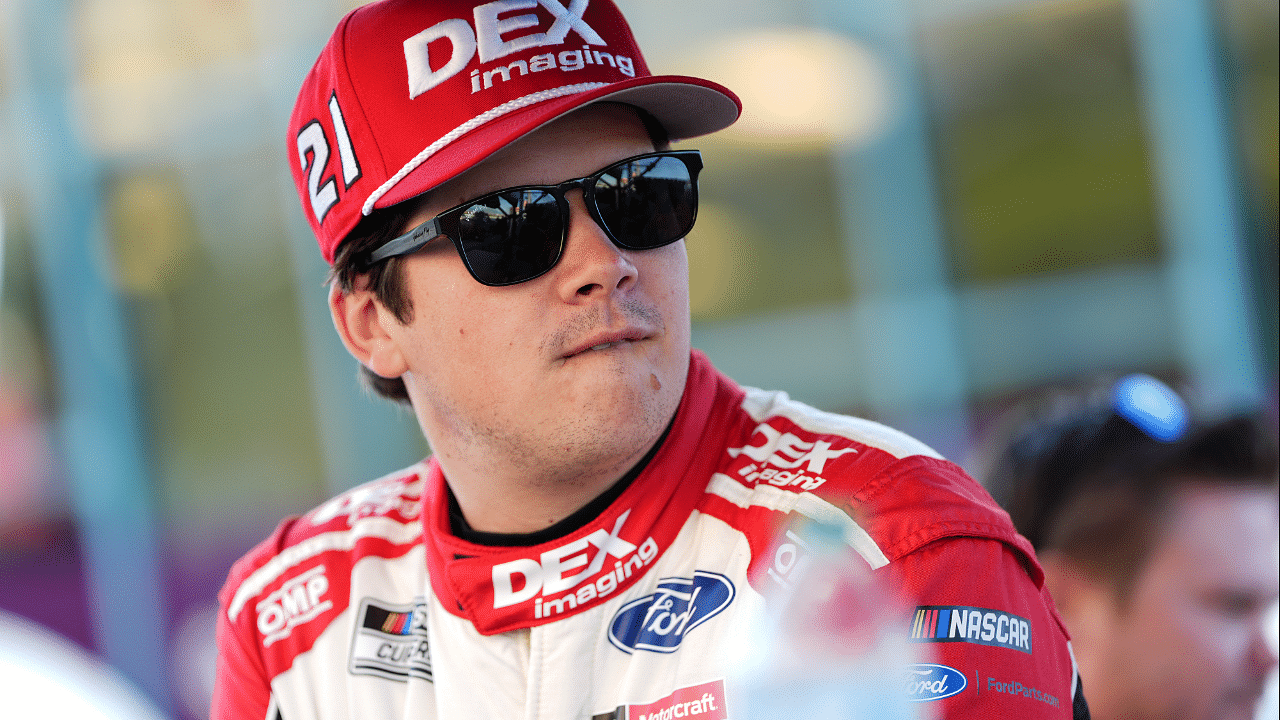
(658, 622)
(927, 682)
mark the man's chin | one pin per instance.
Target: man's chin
(638, 404)
(623, 378)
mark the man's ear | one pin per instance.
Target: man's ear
(361, 322)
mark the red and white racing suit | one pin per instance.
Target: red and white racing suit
(370, 606)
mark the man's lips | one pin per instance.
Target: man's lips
(606, 340)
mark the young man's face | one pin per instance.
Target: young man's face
(1190, 643)
(516, 370)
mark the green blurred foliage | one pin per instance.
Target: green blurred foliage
(220, 352)
(1041, 143)
(1251, 31)
(778, 209)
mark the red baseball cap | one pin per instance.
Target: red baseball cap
(409, 93)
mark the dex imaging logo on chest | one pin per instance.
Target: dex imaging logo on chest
(658, 622)
(568, 568)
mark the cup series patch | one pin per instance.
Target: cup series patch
(980, 626)
(391, 641)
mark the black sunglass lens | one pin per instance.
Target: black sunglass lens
(647, 203)
(510, 237)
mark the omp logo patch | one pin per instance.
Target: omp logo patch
(658, 622)
(954, 623)
(391, 641)
(700, 702)
(300, 599)
(927, 682)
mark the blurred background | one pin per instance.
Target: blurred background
(929, 210)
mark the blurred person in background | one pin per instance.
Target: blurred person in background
(1158, 534)
(604, 513)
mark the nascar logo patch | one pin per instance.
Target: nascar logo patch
(980, 626)
(391, 641)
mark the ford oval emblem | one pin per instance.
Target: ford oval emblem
(927, 682)
(658, 622)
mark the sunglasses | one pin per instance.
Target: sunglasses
(1152, 407)
(517, 234)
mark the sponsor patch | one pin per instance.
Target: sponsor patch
(658, 622)
(700, 702)
(299, 600)
(927, 682)
(981, 626)
(373, 499)
(391, 641)
(1017, 688)
(785, 460)
(494, 40)
(575, 571)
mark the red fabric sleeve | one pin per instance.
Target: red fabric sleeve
(242, 685)
(978, 614)
(241, 690)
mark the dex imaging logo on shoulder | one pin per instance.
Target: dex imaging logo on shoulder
(784, 459)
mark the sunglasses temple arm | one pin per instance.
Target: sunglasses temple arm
(409, 242)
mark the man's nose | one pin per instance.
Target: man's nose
(592, 266)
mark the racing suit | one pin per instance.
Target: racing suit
(372, 607)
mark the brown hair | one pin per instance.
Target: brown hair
(386, 278)
(1096, 488)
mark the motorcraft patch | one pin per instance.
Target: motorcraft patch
(700, 702)
(391, 641)
(981, 626)
(658, 622)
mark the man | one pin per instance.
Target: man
(1158, 540)
(604, 513)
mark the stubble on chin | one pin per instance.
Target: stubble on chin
(606, 428)
(600, 438)
(600, 433)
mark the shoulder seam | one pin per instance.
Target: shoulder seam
(378, 527)
(952, 529)
(761, 405)
(807, 504)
